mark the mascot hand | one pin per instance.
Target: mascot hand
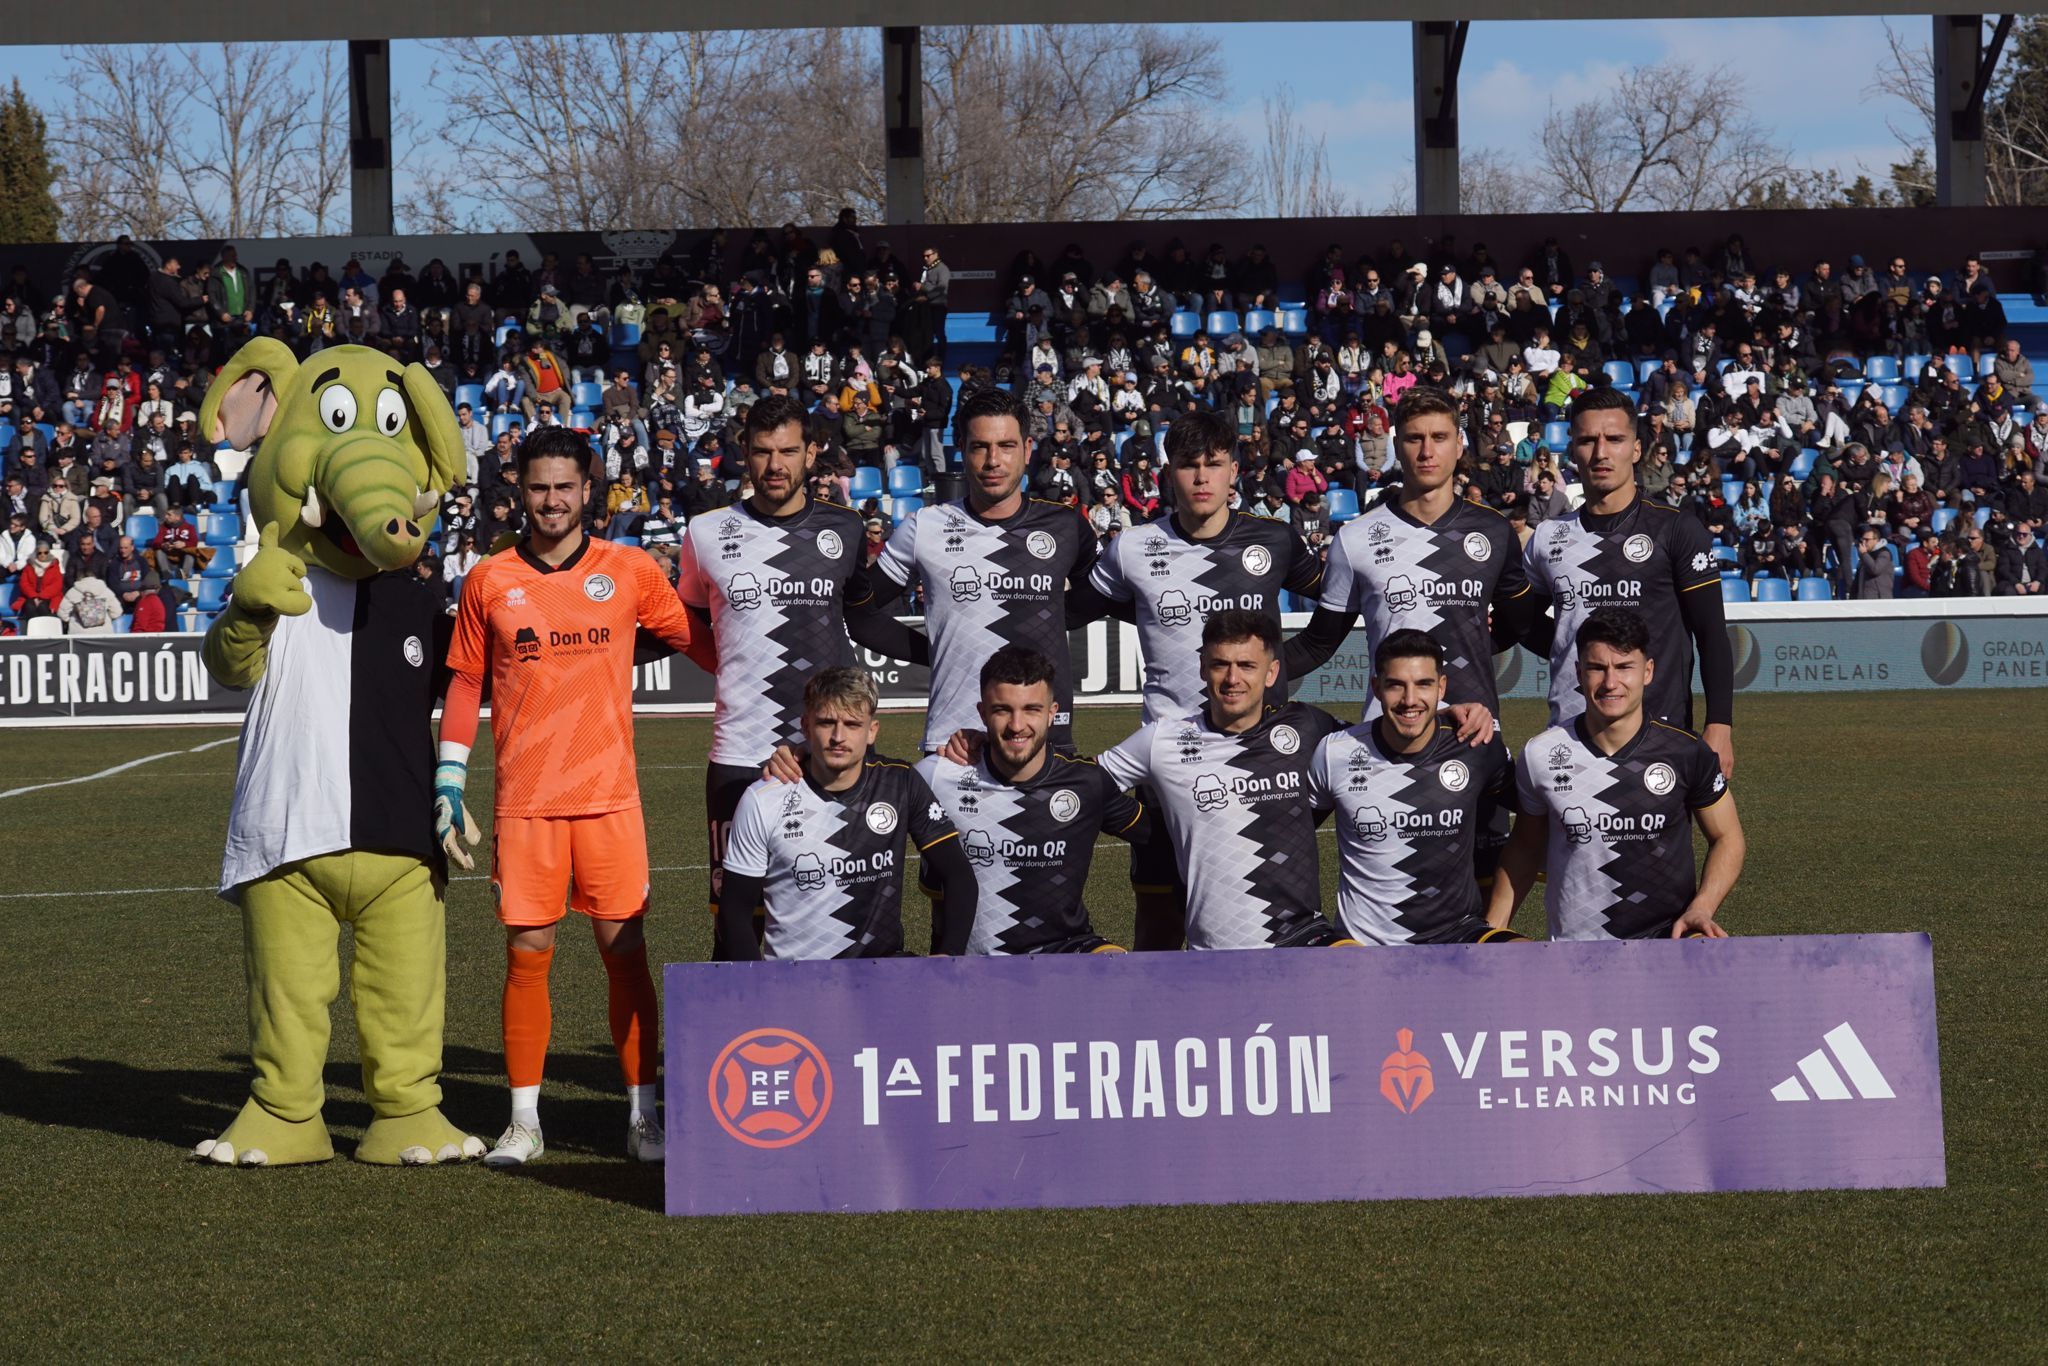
(272, 582)
(451, 816)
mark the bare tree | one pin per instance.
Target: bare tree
(243, 174)
(117, 138)
(1490, 181)
(2015, 115)
(1668, 136)
(1293, 177)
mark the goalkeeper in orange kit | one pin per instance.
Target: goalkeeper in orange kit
(552, 620)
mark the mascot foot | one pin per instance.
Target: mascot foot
(258, 1138)
(419, 1140)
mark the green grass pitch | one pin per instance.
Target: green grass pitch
(122, 1043)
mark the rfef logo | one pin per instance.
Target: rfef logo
(1405, 1077)
(770, 1088)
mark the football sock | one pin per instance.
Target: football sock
(635, 1014)
(639, 1101)
(529, 1019)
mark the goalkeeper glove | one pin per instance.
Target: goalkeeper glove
(451, 817)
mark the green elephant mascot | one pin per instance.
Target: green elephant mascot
(332, 821)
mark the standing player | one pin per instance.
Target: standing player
(1028, 818)
(1411, 800)
(552, 621)
(995, 569)
(1619, 551)
(782, 580)
(1232, 782)
(825, 855)
(1607, 805)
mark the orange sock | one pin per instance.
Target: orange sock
(529, 1017)
(635, 1014)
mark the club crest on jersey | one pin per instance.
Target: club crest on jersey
(1370, 822)
(1560, 756)
(1478, 548)
(1379, 533)
(1401, 593)
(743, 592)
(830, 546)
(881, 818)
(981, 850)
(1155, 550)
(415, 653)
(1190, 743)
(1065, 805)
(793, 803)
(1286, 739)
(1210, 794)
(1660, 779)
(1453, 775)
(965, 583)
(1174, 608)
(1257, 561)
(1636, 548)
(599, 587)
(1041, 545)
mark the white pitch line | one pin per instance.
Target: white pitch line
(117, 768)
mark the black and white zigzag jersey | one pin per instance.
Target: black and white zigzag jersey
(1030, 845)
(1642, 557)
(987, 585)
(1407, 825)
(1619, 864)
(775, 589)
(831, 863)
(1237, 807)
(1439, 578)
(1177, 581)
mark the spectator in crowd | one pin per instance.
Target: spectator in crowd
(40, 587)
(89, 607)
(1873, 565)
(2021, 568)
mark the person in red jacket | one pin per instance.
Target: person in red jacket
(42, 583)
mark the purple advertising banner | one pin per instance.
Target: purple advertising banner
(1335, 1074)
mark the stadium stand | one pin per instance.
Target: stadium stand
(1820, 402)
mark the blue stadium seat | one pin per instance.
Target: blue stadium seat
(1733, 587)
(585, 419)
(906, 481)
(1894, 397)
(1731, 491)
(1646, 368)
(1727, 554)
(7, 437)
(1557, 436)
(142, 526)
(125, 623)
(1941, 519)
(625, 334)
(501, 423)
(1852, 389)
(224, 493)
(221, 566)
(1803, 463)
(1985, 360)
(1185, 324)
(1881, 369)
(1222, 323)
(1343, 505)
(633, 541)
(1258, 320)
(1771, 590)
(1622, 373)
(7, 589)
(48, 430)
(1962, 367)
(504, 330)
(901, 508)
(588, 395)
(213, 594)
(1911, 367)
(472, 394)
(1814, 588)
(1294, 320)
(1292, 296)
(221, 528)
(1983, 516)
(866, 483)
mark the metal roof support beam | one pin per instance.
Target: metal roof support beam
(1962, 69)
(1439, 52)
(369, 136)
(903, 125)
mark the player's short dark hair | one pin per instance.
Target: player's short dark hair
(1237, 623)
(1407, 643)
(773, 411)
(555, 443)
(1193, 435)
(1421, 401)
(843, 686)
(988, 403)
(1016, 666)
(1618, 628)
(1601, 400)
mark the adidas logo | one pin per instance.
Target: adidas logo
(1826, 1082)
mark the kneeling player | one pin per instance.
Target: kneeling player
(1607, 805)
(1233, 790)
(1028, 817)
(825, 855)
(1412, 801)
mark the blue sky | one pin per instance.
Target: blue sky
(1808, 81)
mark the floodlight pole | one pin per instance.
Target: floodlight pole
(369, 136)
(903, 125)
(1439, 52)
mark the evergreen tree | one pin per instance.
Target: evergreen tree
(28, 212)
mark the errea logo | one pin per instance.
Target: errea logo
(1827, 1083)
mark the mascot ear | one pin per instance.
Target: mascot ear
(447, 462)
(243, 397)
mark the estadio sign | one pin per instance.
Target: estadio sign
(1744, 1064)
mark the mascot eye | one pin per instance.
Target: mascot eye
(390, 412)
(338, 408)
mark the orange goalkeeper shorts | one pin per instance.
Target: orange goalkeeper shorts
(597, 864)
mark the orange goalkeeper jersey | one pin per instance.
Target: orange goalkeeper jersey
(557, 643)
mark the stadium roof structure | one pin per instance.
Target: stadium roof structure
(1964, 55)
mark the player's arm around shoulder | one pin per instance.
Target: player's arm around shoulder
(1129, 763)
(660, 609)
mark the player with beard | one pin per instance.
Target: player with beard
(781, 578)
(1608, 800)
(1617, 550)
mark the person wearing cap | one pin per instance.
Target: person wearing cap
(1017, 312)
(1550, 268)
